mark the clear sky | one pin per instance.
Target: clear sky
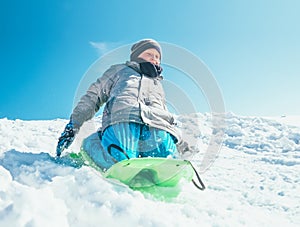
(252, 47)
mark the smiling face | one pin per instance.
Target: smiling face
(151, 55)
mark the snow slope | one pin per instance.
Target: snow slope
(254, 181)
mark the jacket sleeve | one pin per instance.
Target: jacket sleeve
(97, 94)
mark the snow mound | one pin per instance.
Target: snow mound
(254, 180)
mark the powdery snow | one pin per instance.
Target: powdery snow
(254, 181)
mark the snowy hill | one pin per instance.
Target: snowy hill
(254, 181)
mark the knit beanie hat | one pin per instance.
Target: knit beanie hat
(143, 45)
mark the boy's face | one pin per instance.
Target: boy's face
(151, 55)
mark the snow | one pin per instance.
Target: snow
(254, 181)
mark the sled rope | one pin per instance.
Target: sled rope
(118, 148)
(201, 186)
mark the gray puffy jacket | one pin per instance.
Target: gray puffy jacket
(130, 96)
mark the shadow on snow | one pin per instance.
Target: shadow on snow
(42, 166)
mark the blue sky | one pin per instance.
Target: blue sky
(251, 47)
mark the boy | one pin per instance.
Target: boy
(135, 120)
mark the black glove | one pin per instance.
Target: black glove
(66, 138)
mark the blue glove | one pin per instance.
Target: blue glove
(66, 138)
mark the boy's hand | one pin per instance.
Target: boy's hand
(66, 138)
